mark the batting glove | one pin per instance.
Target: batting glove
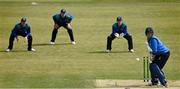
(152, 57)
(148, 48)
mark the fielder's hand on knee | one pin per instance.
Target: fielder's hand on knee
(17, 38)
(56, 26)
(69, 26)
(26, 38)
(121, 35)
(116, 35)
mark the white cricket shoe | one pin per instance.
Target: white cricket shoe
(52, 43)
(163, 86)
(132, 51)
(7, 50)
(73, 42)
(108, 51)
(33, 50)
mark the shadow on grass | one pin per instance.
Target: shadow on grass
(3, 51)
(47, 44)
(103, 52)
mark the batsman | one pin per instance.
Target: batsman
(21, 29)
(159, 56)
(119, 30)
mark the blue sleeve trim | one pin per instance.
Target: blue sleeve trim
(69, 18)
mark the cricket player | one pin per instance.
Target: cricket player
(119, 30)
(63, 19)
(160, 54)
(21, 29)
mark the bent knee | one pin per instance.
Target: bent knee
(56, 26)
(153, 66)
(109, 37)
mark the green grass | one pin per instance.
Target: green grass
(65, 65)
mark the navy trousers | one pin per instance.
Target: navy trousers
(12, 37)
(156, 68)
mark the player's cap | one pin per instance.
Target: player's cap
(23, 19)
(119, 18)
(63, 11)
(149, 30)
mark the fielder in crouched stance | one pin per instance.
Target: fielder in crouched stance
(119, 30)
(62, 19)
(160, 54)
(21, 29)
